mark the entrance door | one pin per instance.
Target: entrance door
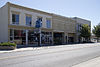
(66, 40)
(70, 39)
(32, 38)
(58, 38)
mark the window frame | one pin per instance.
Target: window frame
(16, 19)
(48, 23)
(28, 20)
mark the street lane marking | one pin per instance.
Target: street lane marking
(41, 53)
(14, 56)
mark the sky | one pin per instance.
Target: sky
(86, 9)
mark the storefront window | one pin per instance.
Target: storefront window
(23, 36)
(32, 37)
(18, 35)
(46, 38)
(11, 34)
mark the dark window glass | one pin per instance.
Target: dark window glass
(11, 32)
(11, 38)
(15, 18)
(48, 23)
(28, 21)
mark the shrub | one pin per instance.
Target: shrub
(8, 44)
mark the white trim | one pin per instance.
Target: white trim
(21, 25)
(26, 37)
(57, 31)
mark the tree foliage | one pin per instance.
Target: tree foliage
(85, 31)
(96, 30)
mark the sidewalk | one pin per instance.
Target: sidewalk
(20, 49)
(68, 47)
(90, 63)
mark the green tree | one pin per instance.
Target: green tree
(96, 31)
(85, 32)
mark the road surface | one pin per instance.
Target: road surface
(50, 57)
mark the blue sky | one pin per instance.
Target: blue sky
(86, 9)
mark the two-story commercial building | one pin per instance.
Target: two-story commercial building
(63, 29)
(17, 24)
(79, 23)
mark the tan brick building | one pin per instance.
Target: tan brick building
(79, 23)
(65, 27)
(17, 23)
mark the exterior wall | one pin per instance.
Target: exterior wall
(60, 24)
(23, 12)
(4, 23)
(79, 22)
(82, 21)
(70, 26)
(57, 24)
(27, 11)
(63, 24)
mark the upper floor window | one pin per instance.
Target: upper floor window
(48, 23)
(78, 27)
(28, 21)
(38, 22)
(15, 18)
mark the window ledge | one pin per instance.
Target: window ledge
(21, 25)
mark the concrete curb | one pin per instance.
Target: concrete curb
(69, 47)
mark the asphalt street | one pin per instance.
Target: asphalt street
(51, 57)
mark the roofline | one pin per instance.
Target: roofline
(60, 15)
(80, 18)
(11, 4)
